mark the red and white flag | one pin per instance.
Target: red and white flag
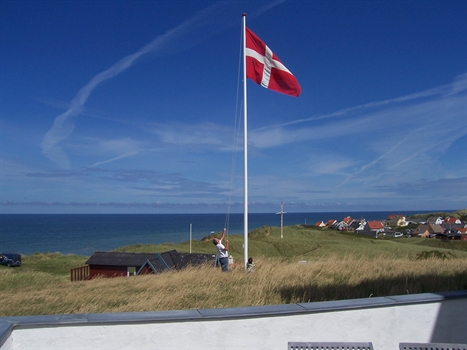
(265, 68)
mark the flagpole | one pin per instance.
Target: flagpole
(245, 153)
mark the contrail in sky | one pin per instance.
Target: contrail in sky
(186, 35)
(459, 85)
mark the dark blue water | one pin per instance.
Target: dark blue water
(83, 234)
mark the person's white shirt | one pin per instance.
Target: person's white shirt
(221, 250)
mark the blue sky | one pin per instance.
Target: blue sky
(132, 107)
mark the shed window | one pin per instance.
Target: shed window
(131, 271)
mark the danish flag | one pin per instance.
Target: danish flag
(265, 68)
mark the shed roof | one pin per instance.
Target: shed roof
(185, 259)
(119, 258)
(159, 261)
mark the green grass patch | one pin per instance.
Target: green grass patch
(307, 264)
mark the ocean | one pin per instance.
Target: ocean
(83, 234)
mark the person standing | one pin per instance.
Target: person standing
(222, 251)
(250, 265)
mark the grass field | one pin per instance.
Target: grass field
(308, 264)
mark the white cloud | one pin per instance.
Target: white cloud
(190, 33)
(412, 130)
(436, 107)
(196, 135)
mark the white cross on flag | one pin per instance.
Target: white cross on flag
(265, 68)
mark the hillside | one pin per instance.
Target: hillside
(310, 243)
(307, 265)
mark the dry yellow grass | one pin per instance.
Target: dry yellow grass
(273, 282)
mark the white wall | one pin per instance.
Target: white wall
(383, 321)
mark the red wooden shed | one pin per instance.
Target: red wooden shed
(116, 264)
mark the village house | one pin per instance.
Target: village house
(450, 228)
(428, 230)
(463, 233)
(320, 224)
(370, 228)
(360, 225)
(355, 224)
(340, 226)
(437, 220)
(344, 224)
(452, 221)
(376, 226)
(451, 225)
(396, 220)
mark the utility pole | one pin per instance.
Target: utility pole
(282, 212)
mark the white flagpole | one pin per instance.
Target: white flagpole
(245, 153)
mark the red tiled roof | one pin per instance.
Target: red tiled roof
(375, 225)
(450, 220)
(395, 216)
